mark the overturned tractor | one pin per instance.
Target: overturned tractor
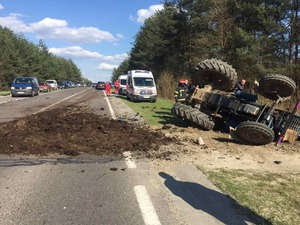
(214, 105)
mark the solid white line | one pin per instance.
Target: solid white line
(43, 109)
(129, 160)
(147, 209)
(112, 113)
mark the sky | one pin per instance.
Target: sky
(96, 35)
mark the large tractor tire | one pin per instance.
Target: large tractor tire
(255, 133)
(275, 85)
(202, 120)
(219, 74)
(193, 115)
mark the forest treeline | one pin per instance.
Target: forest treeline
(20, 57)
(257, 37)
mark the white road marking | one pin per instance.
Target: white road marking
(129, 160)
(147, 209)
(112, 113)
(43, 109)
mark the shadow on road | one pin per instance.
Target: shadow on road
(216, 204)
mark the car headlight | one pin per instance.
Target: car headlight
(28, 87)
(136, 91)
(12, 88)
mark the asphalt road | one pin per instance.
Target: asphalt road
(94, 190)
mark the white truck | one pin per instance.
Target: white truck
(141, 86)
(122, 80)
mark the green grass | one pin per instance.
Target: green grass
(4, 93)
(275, 197)
(158, 113)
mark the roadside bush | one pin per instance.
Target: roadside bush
(166, 85)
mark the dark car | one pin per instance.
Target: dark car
(61, 85)
(100, 85)
(24, 86)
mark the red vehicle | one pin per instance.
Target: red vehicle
(45, 87)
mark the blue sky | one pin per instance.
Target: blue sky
(96, 34)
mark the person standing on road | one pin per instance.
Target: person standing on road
(117, 86)
(107, 88)
(181, 91)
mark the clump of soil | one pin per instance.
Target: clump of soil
(74, 131)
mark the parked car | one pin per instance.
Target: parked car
(79, 84)
(24, 86)
(45, 87)
(61, 85)
(53, 84)
(100, 85)
(68, 84)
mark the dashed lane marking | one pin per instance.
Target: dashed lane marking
(129, 160)
(147, 209)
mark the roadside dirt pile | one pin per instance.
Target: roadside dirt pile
(76, 130)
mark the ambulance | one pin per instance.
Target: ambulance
(141, 86)
(122, 80)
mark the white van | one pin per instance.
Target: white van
(53, 84)
(122, 80)
(141, 86)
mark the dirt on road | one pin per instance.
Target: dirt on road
(76, 130)
(81, 130)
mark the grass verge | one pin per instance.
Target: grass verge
(4, 93)
(157, 113)
(273, 196)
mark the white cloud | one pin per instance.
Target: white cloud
(76, 52)
(1, 7)
(49, 28)
(58, 29)
(80, 53)
(13, 22)
(143, 14)
(106, 66)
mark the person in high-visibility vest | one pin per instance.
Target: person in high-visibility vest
(107, 88)
(117, 86)
(181, 91)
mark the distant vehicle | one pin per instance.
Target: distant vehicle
(141, 86)
(100, 85)
(53, 84)
(122, 80)
(45, 87)
(68, 84)
(61, 85)
(24, 86)
(79, 84)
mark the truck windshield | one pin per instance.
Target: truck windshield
(143, 81)
(123, 82)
